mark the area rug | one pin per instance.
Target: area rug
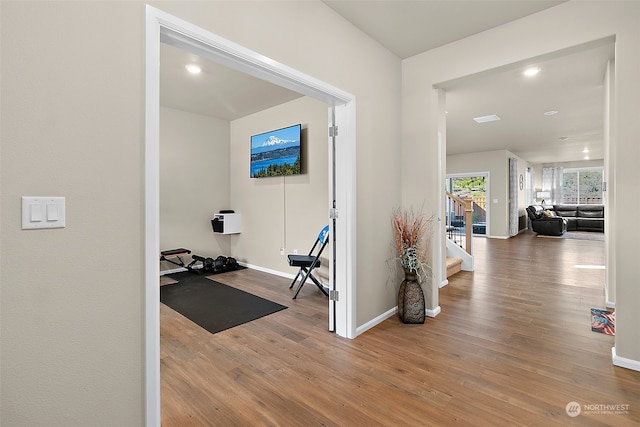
(584, 235)
(212, 305)
(577, 235)
(603, 321)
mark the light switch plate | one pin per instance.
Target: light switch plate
(43, 212)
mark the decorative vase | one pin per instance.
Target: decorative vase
(411, 305)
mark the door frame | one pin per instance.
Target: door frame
(162, 27)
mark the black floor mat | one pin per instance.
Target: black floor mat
(212, 305)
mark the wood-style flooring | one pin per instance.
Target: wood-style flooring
(513, 346)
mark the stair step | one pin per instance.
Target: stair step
(454, 265)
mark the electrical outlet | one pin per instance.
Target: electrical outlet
(281, 250)
(295, 252)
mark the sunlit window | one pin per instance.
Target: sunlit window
(582, 186)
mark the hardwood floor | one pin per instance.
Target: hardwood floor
(512, 346)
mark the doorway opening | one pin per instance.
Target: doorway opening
(164, 28)
(474, 186)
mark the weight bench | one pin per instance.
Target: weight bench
(174, 256)
(208, 265)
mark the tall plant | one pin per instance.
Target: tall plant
(412, 232)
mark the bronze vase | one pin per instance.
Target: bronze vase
(411, 306)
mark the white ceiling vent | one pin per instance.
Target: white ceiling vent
(485, 119)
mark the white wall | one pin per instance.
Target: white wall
(566, 25)
(204, 167)
(71, 309)
(609, 196)
(194, 182)
(72, 332)
(285, 211)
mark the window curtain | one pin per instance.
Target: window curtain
(531, 191)
(513, 196)
(552, 182)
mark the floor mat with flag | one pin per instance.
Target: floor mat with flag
(603, 321)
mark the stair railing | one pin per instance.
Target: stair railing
(459, 222)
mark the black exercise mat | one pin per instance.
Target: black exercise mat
(212, 305)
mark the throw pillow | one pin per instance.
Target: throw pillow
(548, 214)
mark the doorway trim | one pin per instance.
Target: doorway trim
(165, 28)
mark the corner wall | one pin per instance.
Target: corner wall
(285, 211)
(194, 182)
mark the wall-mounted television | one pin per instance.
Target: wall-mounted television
(276, 152)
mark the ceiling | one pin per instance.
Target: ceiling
(410, 27)
(218, 91)
(570, 83)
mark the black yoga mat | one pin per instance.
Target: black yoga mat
(214, 306)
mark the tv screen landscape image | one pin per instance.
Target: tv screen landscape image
(276, 152)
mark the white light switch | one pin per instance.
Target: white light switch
(43, 212)
(36, 212)
(52, 212)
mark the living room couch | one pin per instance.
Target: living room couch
(582, 217)
(555, 220)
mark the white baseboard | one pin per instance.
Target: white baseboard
(434, 312)
(607, 303)
(384, 316)
(623, 362)
(267, 270)
(444, 283)
(499, 237)
(279, 273)
(376, 321)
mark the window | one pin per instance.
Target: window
(582, 186)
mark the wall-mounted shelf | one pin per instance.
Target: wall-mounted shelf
(228, 223)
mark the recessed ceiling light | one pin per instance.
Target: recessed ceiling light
(563, 138)
(551, 113)
(193, 69)
(530, 72)
(586, 157)
(585, 151)
(485, 119)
